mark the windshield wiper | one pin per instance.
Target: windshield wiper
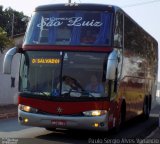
(41, 93)
(74, 93)
(86, 93)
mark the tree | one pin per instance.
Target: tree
(4, 40)
(9, 18)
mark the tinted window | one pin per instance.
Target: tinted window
(70, 28)
(57, 74)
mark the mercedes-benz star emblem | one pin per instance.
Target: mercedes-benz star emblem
(59, 110)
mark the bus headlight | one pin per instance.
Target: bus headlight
(95, 113)
(27, 108)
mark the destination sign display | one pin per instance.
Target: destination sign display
(45, 61)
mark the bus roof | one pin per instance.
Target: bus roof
(75, 6)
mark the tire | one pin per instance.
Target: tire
(150, 102)
(146, 108)
(122, 117)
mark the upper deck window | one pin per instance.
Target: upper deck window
(70, 28)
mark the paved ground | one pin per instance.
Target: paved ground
(155, 135)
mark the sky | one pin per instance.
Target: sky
(145, 12)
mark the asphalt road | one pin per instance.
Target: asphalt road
(133, 131)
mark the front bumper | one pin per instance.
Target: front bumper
(71, 122)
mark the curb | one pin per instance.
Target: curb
(8, 115)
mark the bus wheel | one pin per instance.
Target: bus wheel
(146, 108)
(122, 116)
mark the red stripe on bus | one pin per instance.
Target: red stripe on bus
(69, 48)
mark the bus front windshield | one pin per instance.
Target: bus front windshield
(58, 74)
(70, 28)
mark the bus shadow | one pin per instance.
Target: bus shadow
(74, 136)
(133, 129)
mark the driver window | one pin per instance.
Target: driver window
(24, 73)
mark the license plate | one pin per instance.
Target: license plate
(58, 122)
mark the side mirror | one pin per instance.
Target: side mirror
(112, 65)
(8, 60)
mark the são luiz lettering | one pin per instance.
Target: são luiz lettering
(73, 21)
(45, 61)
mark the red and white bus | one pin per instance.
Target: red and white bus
(84, 66)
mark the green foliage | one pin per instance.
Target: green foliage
(4, 40)
(9, 18)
